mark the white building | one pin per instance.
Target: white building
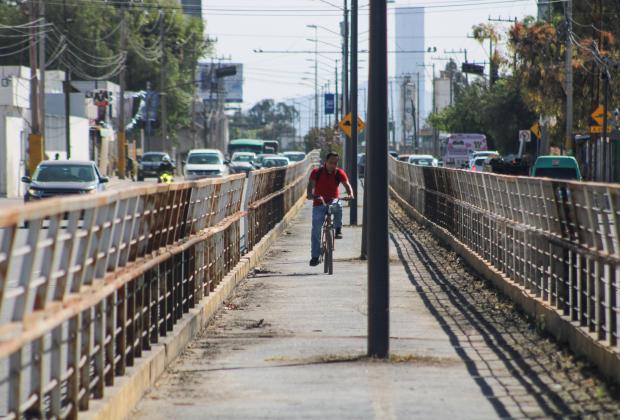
(409, 47)
(15, 120)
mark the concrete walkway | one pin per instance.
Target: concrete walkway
(291, 344)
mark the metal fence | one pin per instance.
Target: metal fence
(87, 283)
(558, 240)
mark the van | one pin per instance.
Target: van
(557, 167)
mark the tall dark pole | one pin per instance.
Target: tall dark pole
(67, 89)
(163, 77)
(345, 78)
(605, 149)
(377, 181)
(352, 156)
(122, 141)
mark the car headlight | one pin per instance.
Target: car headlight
(90, 191)
(34, 192)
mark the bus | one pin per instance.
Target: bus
(460, 147)
(253, 145)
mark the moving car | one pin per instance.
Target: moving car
(294, 156)
(275, 162)
(423, 160)
(258, 163)
(205, 163)
(557, 167)
(361, 165)
(149, 164)
(477, 164)
(54, 178)
(241, 162)
(393, 153)
(403, 158)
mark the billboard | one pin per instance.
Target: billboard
(230, 85)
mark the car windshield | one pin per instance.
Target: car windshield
(295, 157)
(152, 158)
(275, 162)
(204, 159)
(64, 173)
(479, 161)
(558, 173)
(421, 162)
(243, 158)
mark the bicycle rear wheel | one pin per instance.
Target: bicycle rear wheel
(329, 252)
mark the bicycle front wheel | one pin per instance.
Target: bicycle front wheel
(329, 252)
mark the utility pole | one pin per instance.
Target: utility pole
(606, 161)
(121, 152)
(67, 87)
(345, 77)
(461, 51)
(377, 181)
(569, 77)
(42, 69)
(419, 129)
(337, 98)
(35, 140)
(352, 156)
(163, 75)
(194, 66)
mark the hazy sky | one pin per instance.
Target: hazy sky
(244, 25)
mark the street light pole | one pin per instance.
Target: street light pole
(316, 77)
(352, 156)
(377, 181)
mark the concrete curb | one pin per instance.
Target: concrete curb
(120, 399)
(579, 340)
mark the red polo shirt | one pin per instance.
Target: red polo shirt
(327, 184)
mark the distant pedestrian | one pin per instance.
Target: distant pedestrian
(130, 168)
(57, 156)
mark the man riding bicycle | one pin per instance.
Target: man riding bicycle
(323, 189)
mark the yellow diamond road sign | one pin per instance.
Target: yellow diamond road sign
(599, 114)
(345, 124)
(536, 130)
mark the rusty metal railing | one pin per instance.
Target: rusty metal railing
(265, 206)
(88, 283)
(558, 240)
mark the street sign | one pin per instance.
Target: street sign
(346, 123)
(330, 103)
(525, 136)
(599, 114)
(535, 129)
(597, 129)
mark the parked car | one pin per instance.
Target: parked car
(241, 162)
(557, 167)
(423, 160)
(205, 163)
(258, 163)
(54, 178)
(275, 162)
(361, 165)
(149, 164)
(294, 156)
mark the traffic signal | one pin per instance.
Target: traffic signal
(472, 68)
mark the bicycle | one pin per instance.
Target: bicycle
(327, 236)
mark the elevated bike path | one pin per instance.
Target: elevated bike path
(291, 343)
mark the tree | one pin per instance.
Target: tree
(325, 139)
(92, 51)
(265, 120)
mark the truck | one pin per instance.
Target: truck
(460, 148)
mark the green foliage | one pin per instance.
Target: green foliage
(325, 139)
(499, 112)
(265, 120)
(93, 32)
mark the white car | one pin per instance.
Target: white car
(423, 160)
(205, 163)
(294, 156)
(275, 162)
